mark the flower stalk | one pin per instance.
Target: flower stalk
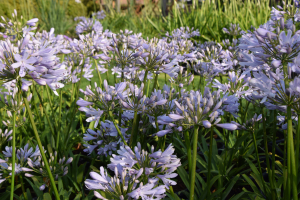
(194, 161)
(40, 147)
(117, 127)
(12, 189)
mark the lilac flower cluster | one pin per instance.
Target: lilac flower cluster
(29, 163)
(105, 140)
(58, 167)
(140, 174)
(87, 25)
(31, 57)
(270, 59)
(201, 110)
(22, 165)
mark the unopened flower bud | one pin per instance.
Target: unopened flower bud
(42, 187)
(281, 23)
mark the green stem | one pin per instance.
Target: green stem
(189, 150)
(194, 159)
(74, 104)
(273, 153)
(40, 147)
(291, 165)
(163, 142)
(285, 179)
(47, 117)
(23, 188)
(134, 130)
(59, 127)
(12, 189)
(52, 110)
(297, 145)
(210, 158)
(291, 155)
(155, 82)
(266, 148)
(107, 76)
(35, 108)
(117, 127)
(258, 161)
(144, 81)
(165, 78)
(99, 76)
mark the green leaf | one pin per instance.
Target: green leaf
(35, 187)
(238, 196)
(230, 186)
(60, 186)
(28, 193)
(153, 24)
(47, 196)
(184, 176)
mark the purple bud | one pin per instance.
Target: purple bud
(69, 160)
(83, 103)
(98, 195)
(179, 128)
(42, 187)
(28, 175)
(65, 51)
(40, 81)
(276, 63)
(206, 124)
(104, 57)
(281, 23)
(228, 126)
(32, 22)
(143, 55)
(163, 132)
(175, 117)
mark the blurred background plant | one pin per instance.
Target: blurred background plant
(152, 18)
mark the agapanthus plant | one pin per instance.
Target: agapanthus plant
(58, 167)
(106, 139)
(138, 174)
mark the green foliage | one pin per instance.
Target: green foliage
(6, 8)
(91, 6)
(76, 9)
(26, 8)
(53, 15)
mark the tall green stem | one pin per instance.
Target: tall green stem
(155, 82)
(258, 161)
(47, 117)
(273, 153)
(291, 155)
(210, 158)
(99, 76)
(189, 150)
(117, 127)
(40, 147)
(297, 145)
(134, 130)
(266, 147)
(144, 81)
(23, 188)
(51, 107)
(107, 75)
(194, 159)
(35, 108)
(165, 78)
(291, 164)
(74, 103)
(12, 189)
(59, 125)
